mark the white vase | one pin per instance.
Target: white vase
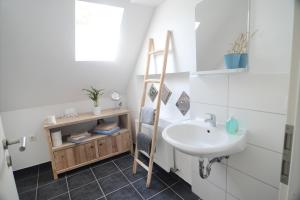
(97, 110)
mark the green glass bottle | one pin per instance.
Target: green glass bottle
(232, 125)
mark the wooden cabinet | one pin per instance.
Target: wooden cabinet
(111, 145)
(70, 156)
(64, 159)
(105, 147)
(122, 142)
(79, 154)
(85, 152)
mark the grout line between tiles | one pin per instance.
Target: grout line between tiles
(37, 183)
(31, 176)
(168, 187)
(239, 108)
(117, 189)
(233, 196)
(21, 179)
(158, 193)
(80, 172)
(58, 196)
(228, 94)
(257, 179)
(129, 181)
(82, 185)
(94, 168)
(27, 191)
(264, 148)
(98, 184)
(68, 187)
(53, 181)
(102, 178)
(123, 186)
(175, 191)
(212, 183)
(226, 179)
(87, 169)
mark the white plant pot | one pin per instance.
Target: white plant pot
(97, 110)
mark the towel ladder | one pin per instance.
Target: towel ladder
(152, 52)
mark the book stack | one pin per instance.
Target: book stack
(107, 128)
(79, 137)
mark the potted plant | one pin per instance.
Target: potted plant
(95, 95)
(238, 56)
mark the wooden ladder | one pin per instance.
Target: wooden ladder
(152, 52)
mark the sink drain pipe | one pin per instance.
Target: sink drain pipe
(204, 171)
(174, 169)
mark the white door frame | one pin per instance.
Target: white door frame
(294, 178)
(292, 190)
(8, 190)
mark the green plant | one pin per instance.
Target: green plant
(94, 94)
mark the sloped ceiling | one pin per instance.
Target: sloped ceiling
(37, 64)
(153, 3)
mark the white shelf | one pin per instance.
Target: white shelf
(220, 71)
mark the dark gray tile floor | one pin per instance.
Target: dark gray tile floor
(111, 179)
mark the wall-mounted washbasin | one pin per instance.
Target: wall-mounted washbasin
(197, 138)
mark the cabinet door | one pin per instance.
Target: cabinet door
(80, 154)
(90, 151)
(60, 160)
(114, 140)
(105, 146)
(85, 152)
(64, 159)
(70, 157)
(126, 141)
(123, 142)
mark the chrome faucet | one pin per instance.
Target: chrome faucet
(212, 120)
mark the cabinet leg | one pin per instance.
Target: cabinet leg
(136, 153)
(55, 176)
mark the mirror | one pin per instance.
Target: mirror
(116, 97)
(218, 24)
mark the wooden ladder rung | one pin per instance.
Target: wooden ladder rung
(142, 164)
(156, 52)
(151, 52)
(152, 80)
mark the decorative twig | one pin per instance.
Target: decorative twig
(240, 45)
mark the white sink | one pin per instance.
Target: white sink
(197, 138)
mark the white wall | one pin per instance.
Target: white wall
(37, 64)
(38, 72)
(174, 15)
(258, 99)
(29, 122)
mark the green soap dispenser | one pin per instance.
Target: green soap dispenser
(232, 125)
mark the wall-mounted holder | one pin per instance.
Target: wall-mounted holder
(204, 171)
(22, 142)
